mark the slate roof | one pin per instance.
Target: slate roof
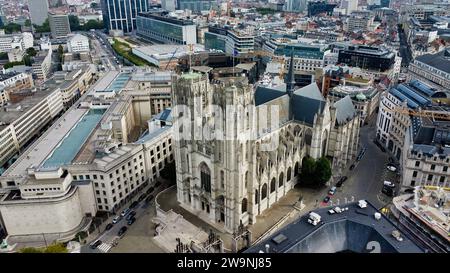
(265, 94)
(345, 110)
(438, 60)
(307, 101)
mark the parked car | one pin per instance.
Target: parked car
(96, 244)
(409, 190)
(134, 204)
(116, 219)
(150, 190)
(326, 199)
(108, 226)
(122, 231)
(332, 191)
(142, 197)
(352, 167)
(391, 167)
(130, 215)
(125, 212)
(388, 191)
(149, 198)
(131, 221)
(341, 181)
(391, 160)
(389, 184)
(157, 184)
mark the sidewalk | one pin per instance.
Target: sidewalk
(282, 210)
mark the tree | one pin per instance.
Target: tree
(27, 60)
(74, 23)
(11, 64)
(44, 28)
(93, 24)
(323, 171)
(30, 250)
(3, 56)
(94, 5)
(308, 171)
(28, 23)
(56, 248)
(31, 51)
(12, 27)
(315, 173)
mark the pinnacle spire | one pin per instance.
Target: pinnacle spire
(290, 80)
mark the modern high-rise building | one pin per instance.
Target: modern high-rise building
(296, 5)
(121, 14)
(169, 5)
(59, 24)
(157, 27)
(195, 5)
(38, 11)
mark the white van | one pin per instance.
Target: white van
(116, 219)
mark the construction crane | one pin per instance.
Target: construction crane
(432, 114)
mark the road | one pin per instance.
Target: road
(365, 181)
(103, 53)
(405, 50)
(144, 213)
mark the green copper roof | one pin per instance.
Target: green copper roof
(361, 96)
(191, 76)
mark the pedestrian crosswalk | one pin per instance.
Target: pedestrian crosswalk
(104, 247)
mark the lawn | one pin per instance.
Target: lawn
(125, 51)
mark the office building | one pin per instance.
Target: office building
(157, 27)
(59, 25)
(230, 41)
(169, 5)
(434, 69)
(366, 57)
(296, 5)
(42, 65)
(12, 82)
(95, 160)
(359, 21)
(165, 56)
(78, 43)
(319, 7)
(424, 215)
(38, 11)
(21, 40)
(195, 5)
(122, 14)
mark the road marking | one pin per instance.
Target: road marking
(104, 247)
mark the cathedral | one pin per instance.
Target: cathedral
(232, 166)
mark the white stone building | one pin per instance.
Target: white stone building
(230, 182)
(78, 43)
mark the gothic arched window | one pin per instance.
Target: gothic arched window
(205, 177)
(264, 191)
(272, 185)
(244, 205)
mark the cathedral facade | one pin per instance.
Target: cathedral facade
(232, 166)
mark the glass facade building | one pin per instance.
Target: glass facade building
(195, 5)
(121, 14)
(215, 41)
(158, 28)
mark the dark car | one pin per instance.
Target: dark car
(148, 199)
(96, 244)
(122, 231)
(150, 190)
(352, 167)
(131, 221)
(388, 191)
(409, 190)
(341, 181)
(142, 197)
(157, 184)
(326, 199)
(134, 204)
(109, 226)
(131, 215)
(391, 160)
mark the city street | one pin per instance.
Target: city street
(365, 181)
(140, 232)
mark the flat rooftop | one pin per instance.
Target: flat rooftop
(39, 151)
(71, 144)
(352, 230)
(161, 52)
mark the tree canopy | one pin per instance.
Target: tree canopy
(11, 28)
(44, 28)
(315, 173)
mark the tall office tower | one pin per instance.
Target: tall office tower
(296, 5)
(169, 5)
(349, 6)
(59, 24)
(121, 14)
(38, 11)
(195, 5)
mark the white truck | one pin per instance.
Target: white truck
(314, 218)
